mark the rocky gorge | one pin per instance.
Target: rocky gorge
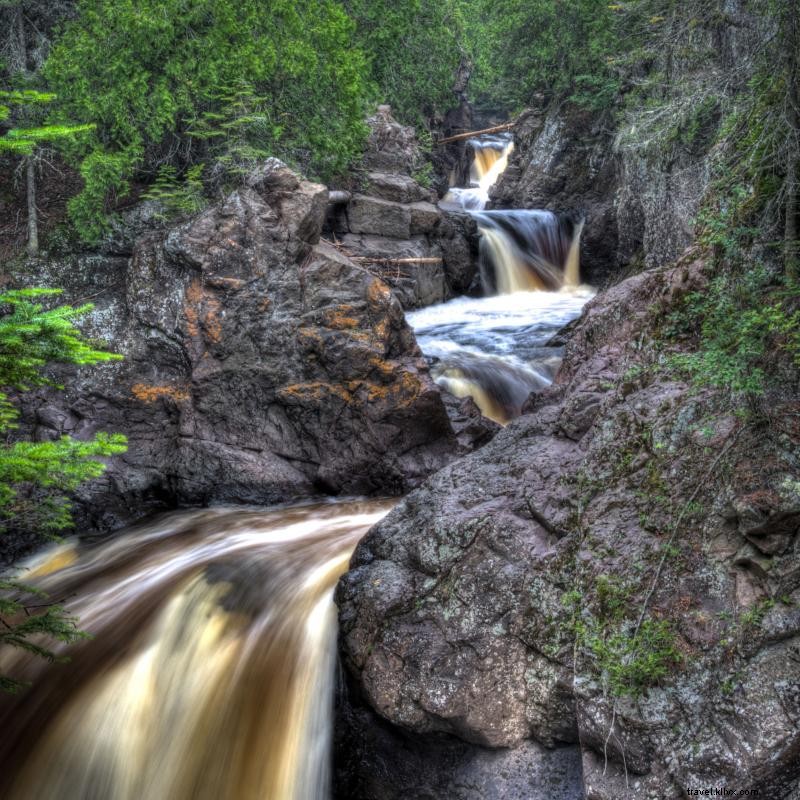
(598, 599)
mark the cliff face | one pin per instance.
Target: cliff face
(260, 364)
(638, 171)
(602, 575)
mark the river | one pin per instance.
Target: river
(209, 671)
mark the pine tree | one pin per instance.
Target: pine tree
(35, 477)
(25, 141)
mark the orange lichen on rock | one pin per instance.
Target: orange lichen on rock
(199, 301)
(381, 329)
(147, 393)
(401, 393)
(211, 321)
(317, 392)
(378, 293)
(384, 368)
(338, 318)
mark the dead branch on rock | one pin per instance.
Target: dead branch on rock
(541, 520)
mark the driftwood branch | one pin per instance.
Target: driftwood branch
(393, 261)
(469, 134)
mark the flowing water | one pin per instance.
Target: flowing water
(209, 674)
(490, 160)
(496, 348)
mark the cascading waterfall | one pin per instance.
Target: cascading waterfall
(210, 672)
(528, 250)
(495, 349)
(490, 159)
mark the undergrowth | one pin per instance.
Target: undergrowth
(627, 659)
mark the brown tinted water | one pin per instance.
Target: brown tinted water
(209, 674)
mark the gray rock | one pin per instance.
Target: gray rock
(453, 621)
(396, 187)
(414, 284)
(380, 217)
(260, 364)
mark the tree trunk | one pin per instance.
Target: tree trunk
(790, 24)
(22, 44)
(33, 221)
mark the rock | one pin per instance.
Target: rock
(458, 238)
(393, 218)
(260, 364)
(425, 217)
(391, 147)
(414, 284)
(375, 761)
(380, 217)
(456, 618)
(396, 187)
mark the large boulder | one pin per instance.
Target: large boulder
(619, 569)
(260, 364)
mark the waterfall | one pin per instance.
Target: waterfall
(528, 250)
(210, 672)
(489, 162)
(499, 354)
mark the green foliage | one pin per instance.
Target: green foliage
(29, 620)
(740, 322)
(413, 49)
(178, 197)
(23, 141)
(164, 65)
(627, 659)
(35, 477)
(563, 50)
(32, 336)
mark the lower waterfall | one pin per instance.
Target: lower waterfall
(209, 674)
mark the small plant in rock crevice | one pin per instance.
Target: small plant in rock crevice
(626, 659)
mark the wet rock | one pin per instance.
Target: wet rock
(377, 761)
(260, 363)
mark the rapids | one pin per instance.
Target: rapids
(495, 348)
(209, 674)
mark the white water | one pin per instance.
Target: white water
(210, 672)
(494, 349)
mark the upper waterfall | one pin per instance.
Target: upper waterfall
(489, 162)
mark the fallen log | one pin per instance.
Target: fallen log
(469, 134)
(392, 261)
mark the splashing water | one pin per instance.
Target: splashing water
(210, 674)
(494, 349)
